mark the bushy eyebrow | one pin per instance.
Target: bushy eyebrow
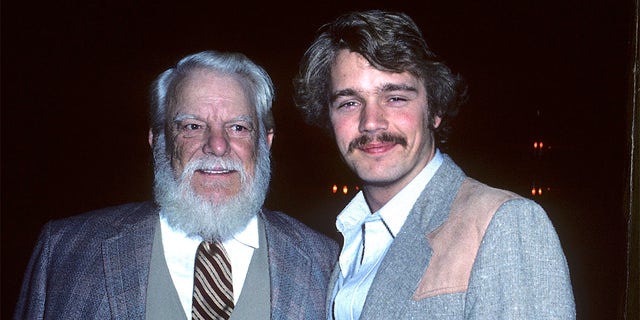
(182, 117)
(244, 118)
(387, 87)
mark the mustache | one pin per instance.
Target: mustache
(210, 163)
(383, 137)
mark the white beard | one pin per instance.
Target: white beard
(196, 216)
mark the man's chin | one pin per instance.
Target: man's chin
(215, 192)
(215, 198)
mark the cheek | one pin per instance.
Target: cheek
(412, 123)
(342, 131)
(247, 152)
(181, 152)
(421, 134)
(343, 138)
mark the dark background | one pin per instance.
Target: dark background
(75, 78)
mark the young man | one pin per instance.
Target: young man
(421, 240)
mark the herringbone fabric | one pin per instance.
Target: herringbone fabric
(111, 263)
(212, 285)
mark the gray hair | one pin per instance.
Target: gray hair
(255, 79)
(182, 207)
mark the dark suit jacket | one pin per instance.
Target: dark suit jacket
(96, 266)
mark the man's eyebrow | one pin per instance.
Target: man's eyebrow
(343, 93)
(397, 87)
(387, 87)
(181, 117)
(244, 118)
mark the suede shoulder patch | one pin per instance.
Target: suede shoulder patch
(456, 242)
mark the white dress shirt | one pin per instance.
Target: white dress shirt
(180, 253)
(367, 237)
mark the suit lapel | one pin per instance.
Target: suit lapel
(126, 258)
(400, 271)
(410, 253)
(332, 286)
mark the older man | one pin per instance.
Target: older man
(421, 240)
(206, 248)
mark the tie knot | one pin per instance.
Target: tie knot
(212, 247)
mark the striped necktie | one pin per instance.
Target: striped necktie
(212, 286)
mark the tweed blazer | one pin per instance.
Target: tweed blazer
(468, 251)
(96, 266)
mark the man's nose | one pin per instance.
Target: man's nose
(372, 119)
(217, 143)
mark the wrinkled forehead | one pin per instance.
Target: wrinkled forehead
(203, 84)
(204, 79)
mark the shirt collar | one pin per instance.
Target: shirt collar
(395, 212)
(248, 236)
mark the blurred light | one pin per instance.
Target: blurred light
(357, 188)
(539, 145)
(334, 189)
(533, 191)
(345, 189)
(539, 191)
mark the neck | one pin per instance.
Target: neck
(378, 196)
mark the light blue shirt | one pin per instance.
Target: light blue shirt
(367, 237)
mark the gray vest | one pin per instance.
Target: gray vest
(254, 301)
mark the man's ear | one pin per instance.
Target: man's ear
(436, 121)
(270, 133)
(151, 138)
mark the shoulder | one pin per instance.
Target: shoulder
(501, 203)
(291, 226)
(479, 209)
(106, 221)
(66, 241)
(496, 204)
(502, 213)
(288, 229)
(477, 193)
(523, 215)
(475, 205)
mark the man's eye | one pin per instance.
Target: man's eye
(238, 128)
(396, 99)
(192, 126)
(347, 105)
